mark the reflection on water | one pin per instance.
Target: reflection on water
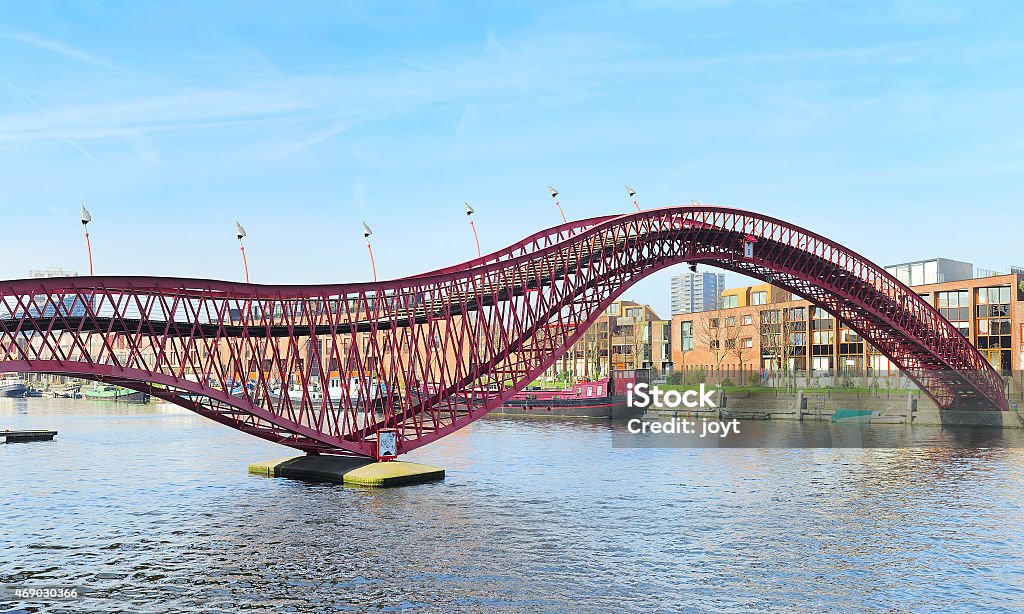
(806, 434)
(151, 508)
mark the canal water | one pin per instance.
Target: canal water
(150, 508)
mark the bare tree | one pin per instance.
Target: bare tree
(711, 334)
(771, 337)
(639, 344)
(591, 353)
(734, 339)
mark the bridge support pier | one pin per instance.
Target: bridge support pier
(348, 470)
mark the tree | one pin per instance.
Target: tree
(771, 337)
(735, 333)
(592, 353)
(711, 334)
(639, 343)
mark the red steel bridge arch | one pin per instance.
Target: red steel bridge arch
(443, 342)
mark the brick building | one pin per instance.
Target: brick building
(628, 335)
(765, 329)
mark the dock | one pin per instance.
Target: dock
(23, 436)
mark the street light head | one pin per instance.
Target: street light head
(366, 231)
(86, 218)
(554, 192)
(469, 210)
(630, 191)
(239, 231)
(693, 267)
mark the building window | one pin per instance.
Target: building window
(748, 319)
(730, 344)
(822, 333)
(730, 302)
(748, 342)
(993, 327)
(713, 323)
(955, 306)
(851, 351)
(759, 298)
(730, 321)
(634, 313)
(771, 339)
(613, 309)
(686, 336)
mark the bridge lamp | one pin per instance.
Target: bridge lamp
(554, 195)
(469, 214)
(366, 235)
(240, 233)
(86, 218)
(693, 267)
(632, 195)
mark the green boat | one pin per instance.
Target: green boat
(109, 392)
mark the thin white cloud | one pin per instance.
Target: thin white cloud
(58, 47)
(319, 137)
(42, 112)
(494, 45)
(470, 115)
(537, 71)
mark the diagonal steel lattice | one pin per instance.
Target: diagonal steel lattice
(427, 355)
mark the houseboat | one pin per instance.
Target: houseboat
(12, 386)
(109, 392)
(602, 398)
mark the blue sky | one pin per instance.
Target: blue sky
(893, 127)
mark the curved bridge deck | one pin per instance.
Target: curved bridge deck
(423, 351)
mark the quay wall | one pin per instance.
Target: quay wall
(894, 407)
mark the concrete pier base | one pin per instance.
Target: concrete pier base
(351, 471)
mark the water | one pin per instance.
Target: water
(150, 509)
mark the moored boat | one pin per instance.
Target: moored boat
(604, 398)
(67, 391)
(12, 386)
(109, 392)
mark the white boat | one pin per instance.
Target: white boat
(362, 394)
(12, 386)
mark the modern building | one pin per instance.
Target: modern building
(53, 271)
(752, 296)
(627, 335)
(693, 292)
(934, 271)
(781, 334)
(72, 306)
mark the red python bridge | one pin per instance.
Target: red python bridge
(326, 368)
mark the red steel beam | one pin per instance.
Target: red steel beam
(323, 368)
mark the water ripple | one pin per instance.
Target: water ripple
(150, 509)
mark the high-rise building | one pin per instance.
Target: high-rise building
(53, 271)
(71, 305)
(693, 292)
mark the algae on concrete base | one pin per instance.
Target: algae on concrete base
(352, 471)
(393, 473)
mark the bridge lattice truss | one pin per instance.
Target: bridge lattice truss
(438, 341)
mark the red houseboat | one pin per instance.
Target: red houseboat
(603, 398)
